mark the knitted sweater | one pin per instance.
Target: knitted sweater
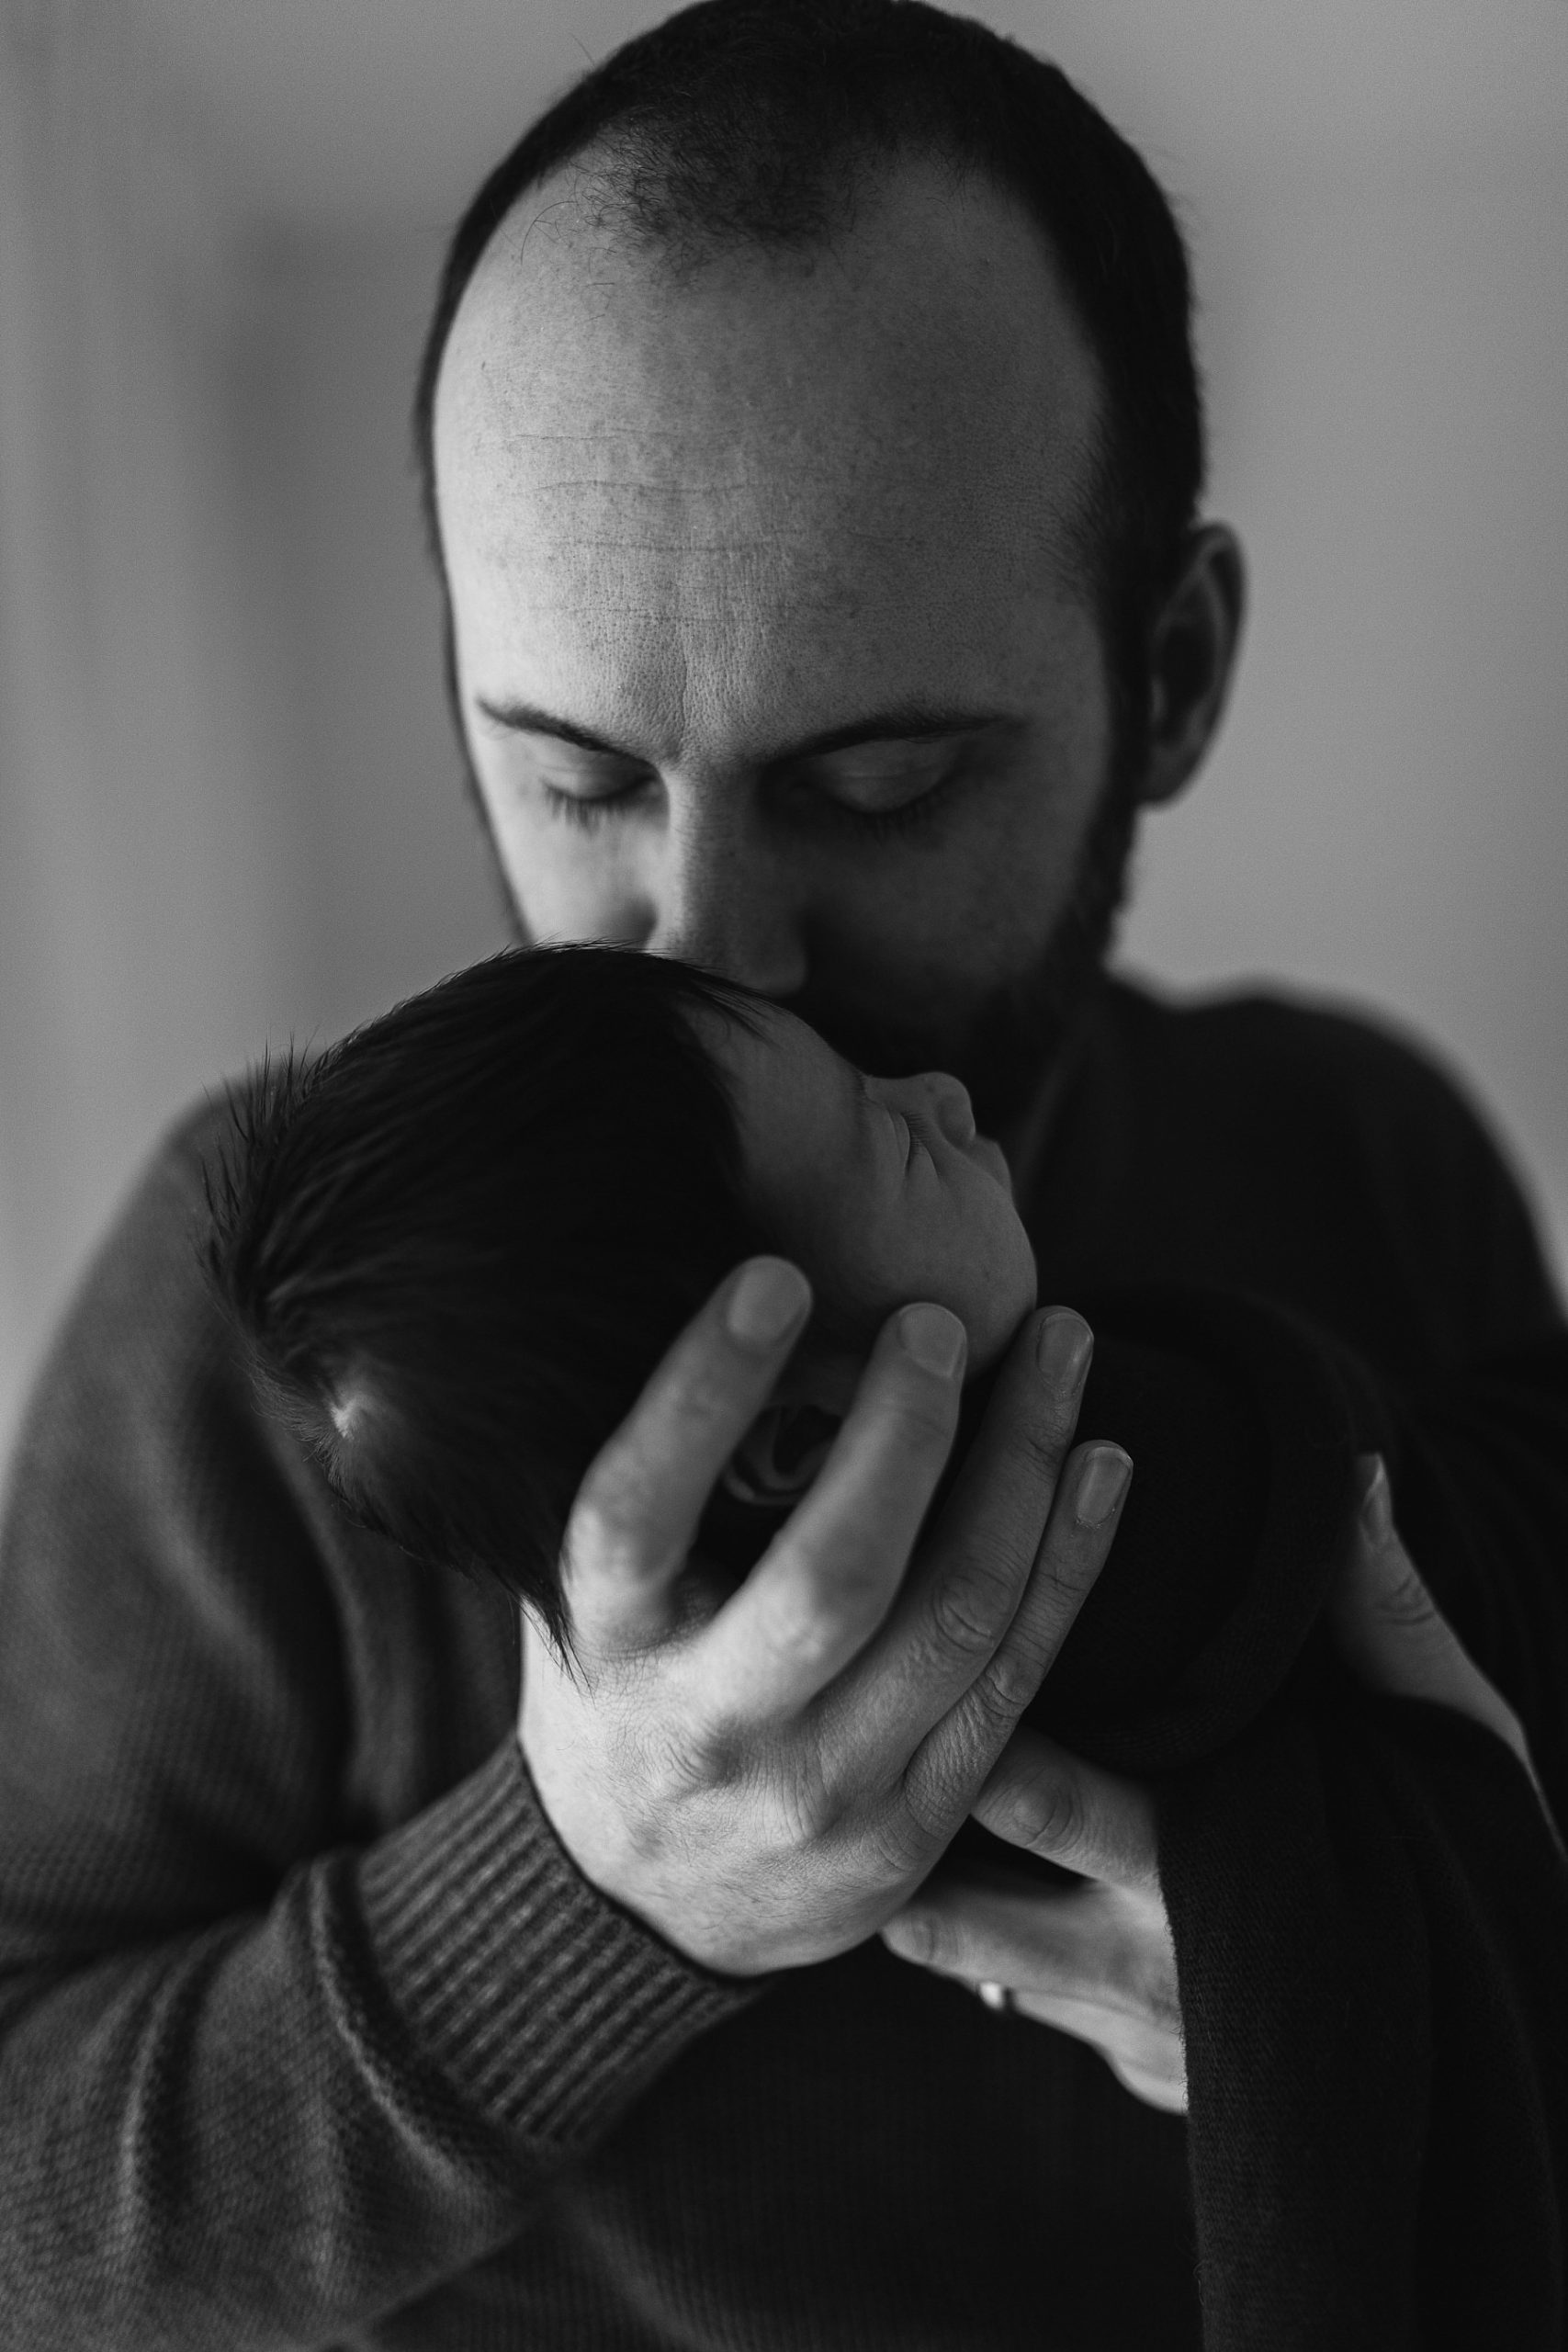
(310, 2033)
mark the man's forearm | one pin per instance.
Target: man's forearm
(278, 2127)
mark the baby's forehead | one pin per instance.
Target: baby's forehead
(789, 1040)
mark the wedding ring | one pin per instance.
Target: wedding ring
(995, 1996)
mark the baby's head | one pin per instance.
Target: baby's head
(458, 1241)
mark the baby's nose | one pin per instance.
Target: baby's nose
(951, 1107)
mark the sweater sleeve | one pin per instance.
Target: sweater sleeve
(276, 2056)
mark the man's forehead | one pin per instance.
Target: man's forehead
(921, 376)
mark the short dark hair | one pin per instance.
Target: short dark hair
(457, 1242)
(752, 122)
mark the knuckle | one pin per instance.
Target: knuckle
(970, 1610)
(934, 1801)
(1045, 1440)
(926, 1937)
(1048, 1816)
(959, 1624)
(909, 1933)
(1007, 1684)
(924, 1423)
(1405, 1600)
(806, 1622)
(799, 1637)
(602, 1530)
(719, 1398)
(897, 1846)
(706, 1753)
(851, 1584)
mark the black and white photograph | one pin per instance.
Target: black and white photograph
(783, 1176)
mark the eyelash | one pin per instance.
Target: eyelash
(588, 814)
(889, 824)
(869, 824)
(909, 1142)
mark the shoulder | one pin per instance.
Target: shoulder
(1300, 1059)
(142, 1422)
(1360, 1124)
(144, 1293)
(143, 1368)
(156, 1514)
(1274, 1037)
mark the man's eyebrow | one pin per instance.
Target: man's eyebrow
(904, 723)
(524, 719)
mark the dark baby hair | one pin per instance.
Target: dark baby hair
(457, 1241)
(741, 123)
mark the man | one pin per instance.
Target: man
(813, 450)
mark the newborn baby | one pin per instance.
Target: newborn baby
(459, 1241)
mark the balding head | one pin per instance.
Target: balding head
(876, 456)
(778, 544)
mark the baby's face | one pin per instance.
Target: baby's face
(879, 1187)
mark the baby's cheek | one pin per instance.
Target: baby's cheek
(972, 1265)
(865, 1278)
(1000, 1280)
(965, 1249)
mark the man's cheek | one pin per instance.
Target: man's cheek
(928, 957)
(573, 889)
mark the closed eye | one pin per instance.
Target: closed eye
(903, 1134)
(590, 810)
(880, 791)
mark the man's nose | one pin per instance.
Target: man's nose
(721, 896)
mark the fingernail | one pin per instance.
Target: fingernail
(934, 1338)
(1377, 1504)
(1063, 1349)
(769, 1299)
(1102, 1482)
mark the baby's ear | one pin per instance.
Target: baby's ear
(780, 1454)
(787, 1443)
(820, 1373)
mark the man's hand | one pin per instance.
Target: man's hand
(1394, 1635)
(766, 1782)
(1098, 1959)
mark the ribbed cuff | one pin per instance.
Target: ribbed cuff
(541, 1999)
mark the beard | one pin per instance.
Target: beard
(1017, 1031)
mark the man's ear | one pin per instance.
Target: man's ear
(1192, 657)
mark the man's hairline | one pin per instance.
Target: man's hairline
(1086, 540)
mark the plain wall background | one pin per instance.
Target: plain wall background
(230, 808)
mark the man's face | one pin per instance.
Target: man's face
(774, 640)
